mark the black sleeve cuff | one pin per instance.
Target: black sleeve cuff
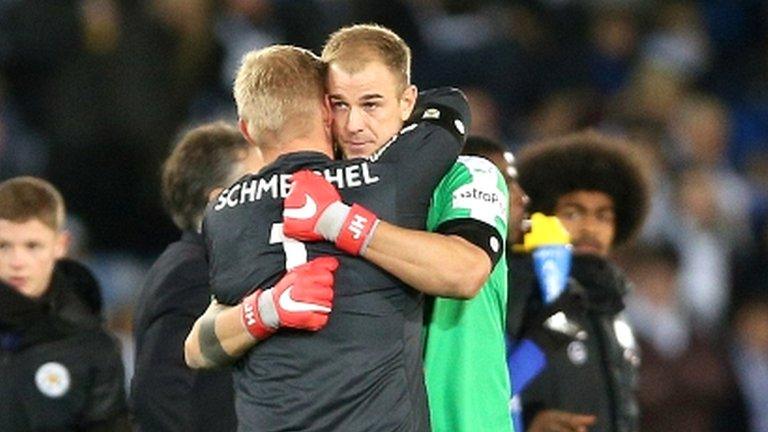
(480, 234)
(445, 107)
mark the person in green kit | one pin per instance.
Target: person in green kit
(464, 338)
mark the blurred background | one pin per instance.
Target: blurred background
(93, 92)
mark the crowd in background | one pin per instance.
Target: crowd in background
(93, 92)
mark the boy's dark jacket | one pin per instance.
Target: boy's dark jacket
(63, 328)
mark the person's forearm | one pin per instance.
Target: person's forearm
(223, 334)
(436, 264)
(217, 338)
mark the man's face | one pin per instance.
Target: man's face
(368, 108)
(28, 253)
(590, 218)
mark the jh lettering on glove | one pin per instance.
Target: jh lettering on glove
(313, 211)
(302, 299)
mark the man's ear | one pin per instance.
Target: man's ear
(61, 245)
(408, 101)
(242, 124)
(327, 112)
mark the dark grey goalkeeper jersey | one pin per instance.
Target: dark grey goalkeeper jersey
(363, 371)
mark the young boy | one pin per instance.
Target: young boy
(59, 370)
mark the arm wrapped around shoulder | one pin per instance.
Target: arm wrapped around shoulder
(446, 107)
(313, 211)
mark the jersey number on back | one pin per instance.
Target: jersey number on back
(295, 251)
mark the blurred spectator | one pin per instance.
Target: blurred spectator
(750, 356)
(22, 151)
(737, 34)
(245, 25)
(749, 134)
(106, 82)
(713, 203)
(651, 94)
(471, 44)
(118, 274)
(678, 43)
(703, 236)
(585, 348)
(647, 138)
(166, 394)
(458, 26)
(750, 271)
(685, 379)
(242, 26)
(398, 15)
(613, 40)
(486, 116)
(560, 113)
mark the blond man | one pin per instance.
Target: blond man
(465, 354)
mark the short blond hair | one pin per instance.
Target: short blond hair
(279, 86)
(27, 198)
(355, 46)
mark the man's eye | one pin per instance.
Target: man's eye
(336, 106)
(370, 105)
(606, 217)
(569, 214)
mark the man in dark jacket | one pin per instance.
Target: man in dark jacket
(59, 370)
(166, 394)
(587, 350)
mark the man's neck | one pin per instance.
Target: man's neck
(297, 145)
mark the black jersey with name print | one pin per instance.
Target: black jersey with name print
(363, 371)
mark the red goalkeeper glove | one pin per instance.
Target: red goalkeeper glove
(302, 299)
(313, 211)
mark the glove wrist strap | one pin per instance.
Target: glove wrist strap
(329, 223)
(356, 230)
(252, 315)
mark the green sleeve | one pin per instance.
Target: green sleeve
(464, 343)
(473, 188)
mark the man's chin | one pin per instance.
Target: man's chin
(352, 151)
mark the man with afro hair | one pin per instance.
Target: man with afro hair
(579, 350)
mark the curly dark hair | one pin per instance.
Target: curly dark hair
(588, 161)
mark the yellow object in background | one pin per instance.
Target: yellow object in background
(545, 230)
(549, 244)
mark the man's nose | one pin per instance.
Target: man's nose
(590, 223)
(355, 122)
